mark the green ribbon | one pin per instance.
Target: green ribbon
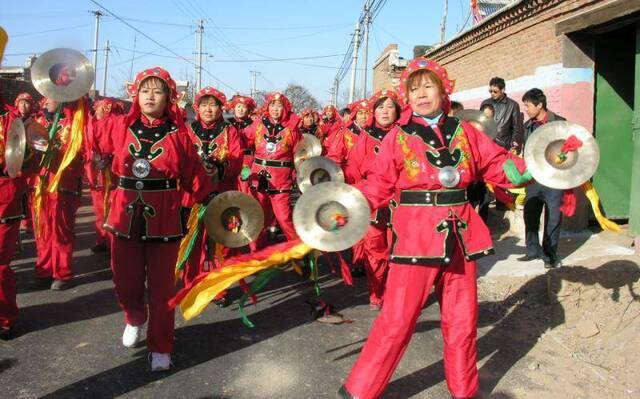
(257, 285)
(314, 272)
(192, 241)
(513, 174)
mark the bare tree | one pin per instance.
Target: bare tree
(300, 97)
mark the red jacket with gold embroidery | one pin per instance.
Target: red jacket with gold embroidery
(173, 166)
(342, 143)
(241, 125)
(428, 219)
(272, 166)
(12, 190)
(219, 144)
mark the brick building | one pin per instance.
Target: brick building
(387, 68)
(585, 55)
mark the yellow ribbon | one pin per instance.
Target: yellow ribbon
(594, 199)
(106, 186)
(192, 226)
(75, 144)
(201, 295)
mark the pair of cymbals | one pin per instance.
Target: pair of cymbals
(62, 74)
(552, 167)
(316, 170)
(15, 147)
(331, 216)
(306, 148)
(234, 219)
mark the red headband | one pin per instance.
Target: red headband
(238, 99)
(422, 63)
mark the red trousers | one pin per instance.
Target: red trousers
(135, 262)
(276, 207)
(97, 199)
(8, 244)
(376, 254)
(407, 290)
(55, 244)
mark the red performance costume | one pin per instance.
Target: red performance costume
(26, 107)
(12, 210)
(425, 165)
(218, 145)
(57, 195)
(345, 138)
(272, 170)
(99, 178)
(242, 107)
(153, 159)
(330, 124)
(360, 164)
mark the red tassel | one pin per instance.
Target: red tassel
(569, 202)
(345, 270)
(571, 144)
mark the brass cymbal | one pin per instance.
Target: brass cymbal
(15, 148)
(234, 219)
(479, 120)
(543, 148)
(72, 70)
(306, 148)
(317, 170)
(3, 42)
(331, 216)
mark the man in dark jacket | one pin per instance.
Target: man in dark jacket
(535, 104)
(506, 114)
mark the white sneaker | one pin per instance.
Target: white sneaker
(131, 336)
(160, 361)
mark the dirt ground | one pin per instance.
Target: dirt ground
(571, 333)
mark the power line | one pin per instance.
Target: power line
(49, 30)
(283, 59)
(159, 44)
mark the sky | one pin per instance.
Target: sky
(239, 36)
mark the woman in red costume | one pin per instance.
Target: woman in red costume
(273, 136)
(345, 138)
(153, 159)
(425, 164)
(383, 115)
(330, 124)
(12, 210)
(96, 175)
(309, 123)
(242, 107)
(218, 144)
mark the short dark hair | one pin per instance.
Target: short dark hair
(344, 111)
(489, 106)
(456, 106)
(536, 97)
(498, 82)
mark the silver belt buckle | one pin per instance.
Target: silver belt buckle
(449, 176)
(141, 168)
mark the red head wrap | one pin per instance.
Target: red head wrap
(392, 94)
(336, 114)
(173, 111)
(358, 106)
(286, 112)
(238, 99)
(426, 64)
(24, 96)
(209, 91)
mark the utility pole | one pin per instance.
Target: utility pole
(199, 32)
(365, 49)
(106, 64)
(443, 26)
(97, 14)
(254, 93)
(354, 62)
(336, 87)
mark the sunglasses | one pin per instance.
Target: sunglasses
(494, 91)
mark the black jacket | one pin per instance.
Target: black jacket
(531, 125)
(507, 116)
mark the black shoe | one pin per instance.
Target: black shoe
(98, 248)
(222, 302)
(6, 333)
(60, 285)
(552, 265)
(344, 394)
(528, 258)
